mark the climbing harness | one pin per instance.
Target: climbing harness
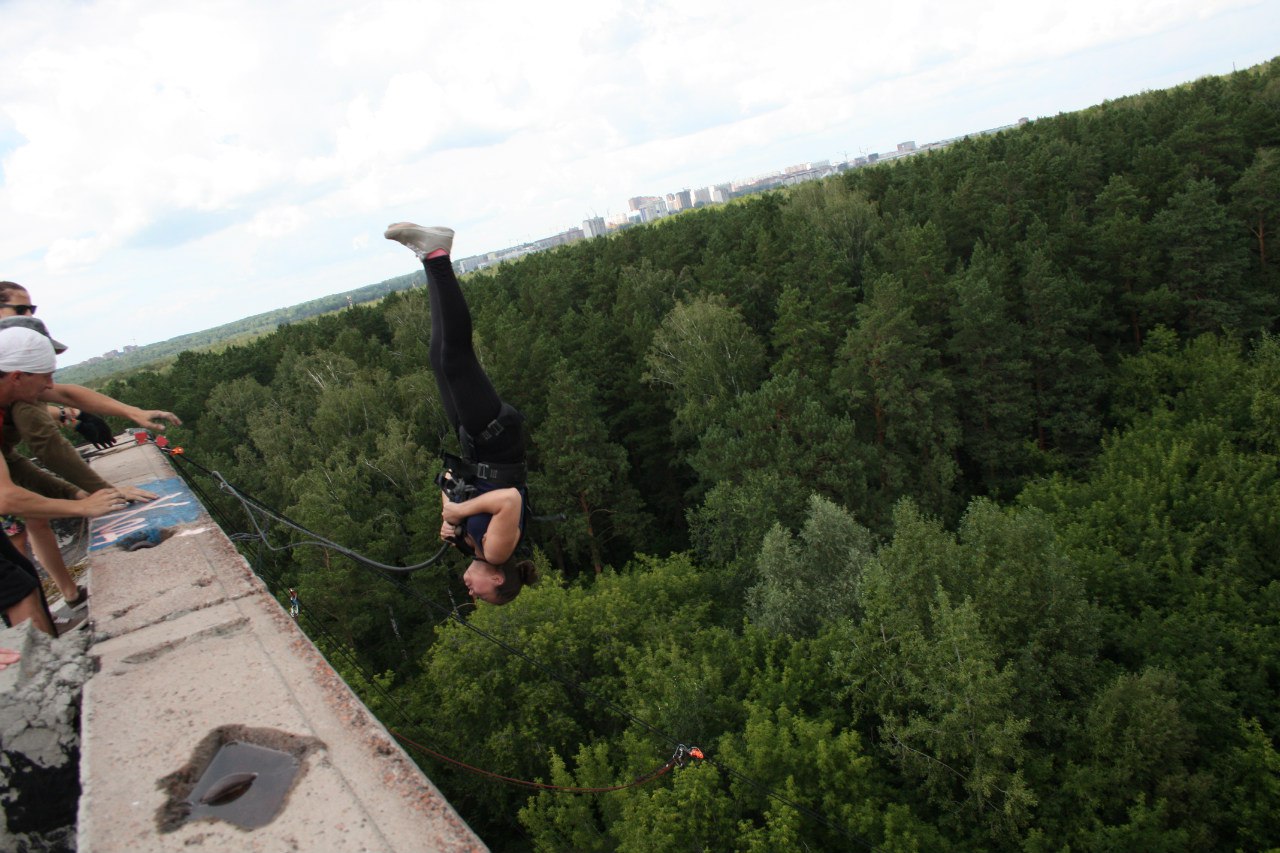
(508, 416)
(457, 470)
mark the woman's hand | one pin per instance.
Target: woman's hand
(453, 513)
(448, 531)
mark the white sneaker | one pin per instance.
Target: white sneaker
(423, 241)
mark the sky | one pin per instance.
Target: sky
(167, 167)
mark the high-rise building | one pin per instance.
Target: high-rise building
(652, 208)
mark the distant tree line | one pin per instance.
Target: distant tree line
(941, 498)
(160, 356)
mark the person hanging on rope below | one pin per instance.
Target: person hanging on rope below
(485, 500)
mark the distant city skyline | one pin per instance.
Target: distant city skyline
(649, 208)
(171, 168)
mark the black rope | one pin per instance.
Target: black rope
(451, 614)
(251, 503)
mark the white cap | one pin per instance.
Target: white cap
(26, 350)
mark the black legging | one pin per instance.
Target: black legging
(469, 397)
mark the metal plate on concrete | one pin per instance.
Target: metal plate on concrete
(239, 774)
(244, 784)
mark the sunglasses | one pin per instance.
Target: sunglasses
(20, 310)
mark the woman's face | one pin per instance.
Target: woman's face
(482, 581)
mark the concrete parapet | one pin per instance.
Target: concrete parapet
(193, 656)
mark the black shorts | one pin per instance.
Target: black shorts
(18, 577)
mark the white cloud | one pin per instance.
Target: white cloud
(70, 254)
(277, 222)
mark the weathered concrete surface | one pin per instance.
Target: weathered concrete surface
(189, 642)
(40, 738)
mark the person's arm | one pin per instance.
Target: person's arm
(504, 505)
(45, 441)
(63, 415)
(26, 475)
(101, 404)
(40, 431)
(15, 500)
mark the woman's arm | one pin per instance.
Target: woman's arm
(504, 505)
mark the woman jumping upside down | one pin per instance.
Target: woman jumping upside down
(485, 500)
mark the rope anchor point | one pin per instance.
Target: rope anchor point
(684, 754)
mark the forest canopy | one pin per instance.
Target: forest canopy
(939, 498)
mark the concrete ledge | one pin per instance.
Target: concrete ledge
(189, 642)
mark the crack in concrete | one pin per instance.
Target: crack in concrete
(224, 629)
(105, 633)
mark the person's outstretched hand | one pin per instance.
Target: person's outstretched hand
(101, 502)
(95, 430)
(151, 418)
(8, 657)
(133, 494)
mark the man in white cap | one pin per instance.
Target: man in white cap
(27, 363)
(63, 473)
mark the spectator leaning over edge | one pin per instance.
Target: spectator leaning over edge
(15, 301)
(27, 363)
(33, 424)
